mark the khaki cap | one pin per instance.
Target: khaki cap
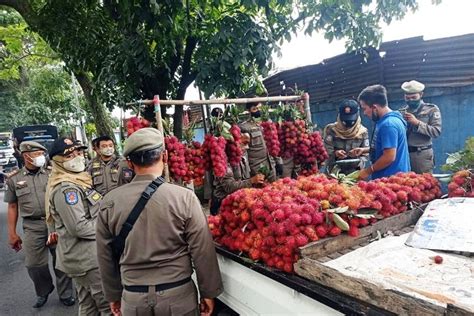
(413, 87)
(143, 140)
(29, 146)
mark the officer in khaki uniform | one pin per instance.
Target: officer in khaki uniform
(73, 206)
(257, 152)
(169, 239)
(107, 170)
(424, 124)
(236, 178)
(344, 138)
(26, 197)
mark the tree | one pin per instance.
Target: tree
(36, 87)
(138, 48)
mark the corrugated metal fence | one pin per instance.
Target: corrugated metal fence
(445, 66)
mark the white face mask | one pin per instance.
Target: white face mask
(108, 151)
(77, 164)
(38, 161)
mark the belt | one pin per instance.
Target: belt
(158, 287)
(35, 218)
(412, 149)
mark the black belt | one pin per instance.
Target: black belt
(413, 149)
(35, 218)
(158, 287)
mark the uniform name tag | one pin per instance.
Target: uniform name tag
(96, 165)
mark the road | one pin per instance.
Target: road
(17, 293)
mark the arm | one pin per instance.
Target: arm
(73, 215)
(13, 239)
(433, 127)
(230, 185)
(202, 250)
(109, 270)
(389, 143)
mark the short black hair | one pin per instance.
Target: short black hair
(216, 112)
(376, 94)
(146, 158)
(105, 138)
(249, 105)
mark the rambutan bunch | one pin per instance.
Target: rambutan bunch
(196, 163)
(270, 134)
(233, 149)
(176, 158)
(215, 150)
(462, 184)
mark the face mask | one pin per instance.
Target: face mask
(109, 151)
(78, 164)
(413, 104)
(255, 114)
(349, 124)
(38, 161)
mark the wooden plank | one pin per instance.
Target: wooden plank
(327, 246)
(392, 301)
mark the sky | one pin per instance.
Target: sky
(450, 18)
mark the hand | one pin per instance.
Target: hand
(15, 242)
(365, 174)
(257, 179)
(356, 152)
(52, 239)
(115, 308)
(279, 169)
(207, 306)
(341, 154)
(410, 118)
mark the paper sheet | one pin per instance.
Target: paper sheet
(391, 264)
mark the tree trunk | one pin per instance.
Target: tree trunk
(102, 122)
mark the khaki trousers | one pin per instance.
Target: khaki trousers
(422, 161)
(90, 295)
(35, 235)
(181, 300)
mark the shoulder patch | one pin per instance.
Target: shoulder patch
(437, 115)
(329, 138)
(127, 173)
(96, 165)
(71, 196)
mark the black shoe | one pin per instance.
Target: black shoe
(68, 301)
(41, 300)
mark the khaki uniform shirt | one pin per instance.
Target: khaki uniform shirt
(334, 143)
(430, 125)
(74, 211)
(106, 176)
(28, 190)
(257, 152)
(236, 178)
(169, 239)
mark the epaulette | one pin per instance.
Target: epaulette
(11, 174)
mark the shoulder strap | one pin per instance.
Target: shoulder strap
(118, 244)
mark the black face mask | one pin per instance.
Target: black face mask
(255, 114)
(349, 124)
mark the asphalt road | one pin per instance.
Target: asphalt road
(17, 293)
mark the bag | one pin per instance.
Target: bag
(118, 243)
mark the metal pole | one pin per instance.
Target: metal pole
(221, 101)
(159, 125)
(203, 112)
(307, 109)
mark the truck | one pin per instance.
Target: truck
(43, 134)
(8, 161)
